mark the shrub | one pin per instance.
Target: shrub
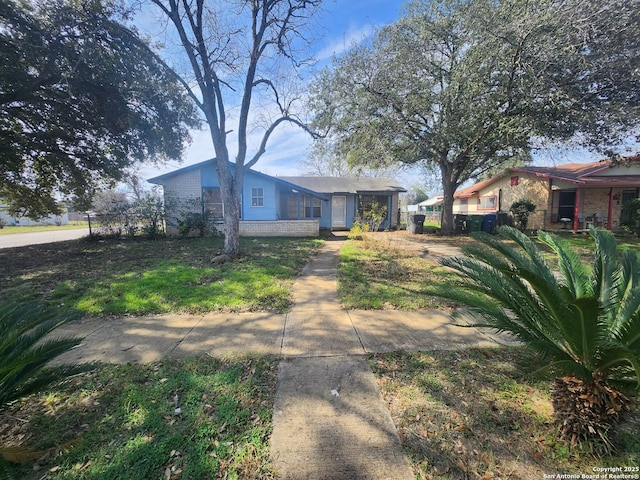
(192, 221)
(584, 321)
(521, 210)
(359, 228)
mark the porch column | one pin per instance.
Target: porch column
(576, 210)
(610, 209)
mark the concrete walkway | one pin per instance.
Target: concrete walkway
(330, 421)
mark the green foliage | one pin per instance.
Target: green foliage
(24, 354)
(521, 210)
(81, 99)
(585, 321)
(192, 221)
(373, 215)
(633, 209)
(358, 230)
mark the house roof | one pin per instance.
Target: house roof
(585, 174)
(347, 185)
(211, 163)
(429, 202)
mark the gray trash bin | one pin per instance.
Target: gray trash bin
(416, 224)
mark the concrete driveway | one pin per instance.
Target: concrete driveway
(24, 239)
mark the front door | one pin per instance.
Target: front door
(338, 212)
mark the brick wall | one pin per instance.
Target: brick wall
(279, 228)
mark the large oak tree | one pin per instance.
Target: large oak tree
(466, 86)
(82, 99)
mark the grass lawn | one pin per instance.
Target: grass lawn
(9, 230)
(376, 275)
(474, 414)
(120, 422)
(460, 414)
(115, 277)
(373, 276)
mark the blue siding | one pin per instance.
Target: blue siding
(208, 176)
(269, 209)
(267, 212)
(325, 219)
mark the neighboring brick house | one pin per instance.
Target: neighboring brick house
(277, 206)
(568, 196)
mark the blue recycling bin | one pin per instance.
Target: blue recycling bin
(489, 222)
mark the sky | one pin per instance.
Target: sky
(341, 23)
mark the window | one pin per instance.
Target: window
(515, 181)
(373, 208)
(312, 207)
(213, 207)
(257, 197)
(487, 203)
(292, 207)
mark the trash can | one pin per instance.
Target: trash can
(504, 218)
(489, 222)
(459, 223)
(416, 224)
(474, 223)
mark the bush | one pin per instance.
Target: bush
(192, 221)
(521, 210)
(633, 222)
(359, 228)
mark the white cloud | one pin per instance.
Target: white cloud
(339, 45)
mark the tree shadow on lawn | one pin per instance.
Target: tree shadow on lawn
(128, 427)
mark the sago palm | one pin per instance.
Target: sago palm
(585, 321)
(24, 351)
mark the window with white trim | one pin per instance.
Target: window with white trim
(312, 207)
(257, 197)
(487, 203)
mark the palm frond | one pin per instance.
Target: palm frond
(25, 349)
(626, 295)
(575, 274)
(606, 267)
(571, 321)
